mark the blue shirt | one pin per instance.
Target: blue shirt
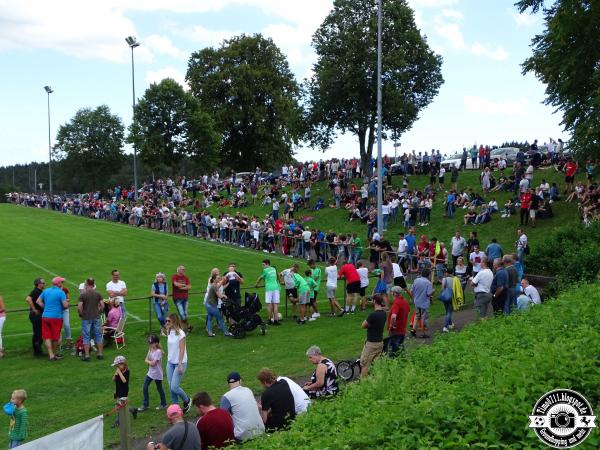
(500, 280)
(422, 290)
(493, 251)
(53, 298)
(411, 241)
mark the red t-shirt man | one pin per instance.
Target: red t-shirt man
(525, 200)
(401, 309)
(349, 272)
(178, 280)
(216, 429)
(570, 169)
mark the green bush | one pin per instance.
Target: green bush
(571, 253)
(474, 389)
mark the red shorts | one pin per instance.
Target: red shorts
(51, 328)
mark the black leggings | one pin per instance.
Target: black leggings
(524, 214)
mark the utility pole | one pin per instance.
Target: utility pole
(379, 111)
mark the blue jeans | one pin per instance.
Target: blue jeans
(123, 309)
(450, 210)
(392, 344)
(161, 311)
(509, 301)
(91, 328)
(182, 308)
(213, 312)
(159, 388)
(448, 318)
(14, 444)
(386, 219)
(67, 324)
(174, 378)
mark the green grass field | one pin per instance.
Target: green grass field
(42, 243)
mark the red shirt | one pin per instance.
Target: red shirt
(349, 272)
(215, 428)
(401, 308)
(525, 200)
(570, 168)
(179, 294)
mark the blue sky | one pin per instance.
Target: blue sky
(78, 48)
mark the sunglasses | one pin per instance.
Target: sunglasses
(167, 321)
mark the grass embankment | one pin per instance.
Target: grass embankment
(474, 389)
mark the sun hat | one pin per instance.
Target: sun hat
(120, 359)
(174, 411)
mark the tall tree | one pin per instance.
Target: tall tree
(247, 86)
(342, 94)
(169, 125)
(566, 57)
(90, 148)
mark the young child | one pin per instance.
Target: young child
(312, 284)
(315, 273)
(155, 373)
(121, 379)
(17, 428)
(331, 273)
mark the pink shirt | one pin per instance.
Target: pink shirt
(113, 317)
(155, 372)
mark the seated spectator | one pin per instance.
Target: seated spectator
(112, 320)
(241, 405)
(277, 406)
(509, 208)
(215, 425)
(531, 292)
(301, 399)
(470, 216)
(323, 381)
(493, 206)
(483, 216)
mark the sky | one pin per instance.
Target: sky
(78, 48)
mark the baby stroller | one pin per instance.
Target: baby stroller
(244, 318)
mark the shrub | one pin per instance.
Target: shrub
(471, 389)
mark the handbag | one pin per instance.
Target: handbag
(446, 295)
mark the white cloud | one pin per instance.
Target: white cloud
(452, 34)
(156, 76)
(206, 36)
(453, 14)
(497, 54)
(163, 45)
(523, 20)
(517, 108)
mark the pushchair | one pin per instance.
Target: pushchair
(244, 318)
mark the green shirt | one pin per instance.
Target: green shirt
(357, 245)
(269, 274)
(300, 284)
(312, 285)
(17, 429)
(316, 275)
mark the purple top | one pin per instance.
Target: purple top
(155, 372)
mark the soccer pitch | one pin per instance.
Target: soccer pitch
(39, 243)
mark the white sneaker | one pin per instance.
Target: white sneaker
(451, 326)
(312, 319)
(316, 315)
(445, 330)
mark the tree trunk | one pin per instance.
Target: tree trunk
(369, 149)
(365, 160)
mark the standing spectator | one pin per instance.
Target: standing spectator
(323, 381)
(2, 320)
(89, 306)
(499, 288)
(454, 174)
(476, 258)
(53, 301)
(522, 246)
(448, 283)
(535, 204)
(17, 429)
(215, 425)
(182, 435)
(155, 373)
(287, 275)
(348, 271)
(374, 324)
(493, 250)
(482, 282)
(513, 275)
(213, 296)
(458, 245)
(316, 274)
(176, 360)
(421, 292)
(116, 288)
(396, 324)
(570, 170)
(269, 276)
(67, 320)
(303, 293)
(277, 407)
(181, 290)
(160, 295)
(35, 315)
(471, 243)
(525, 205)
(331, 273)
(241, 405)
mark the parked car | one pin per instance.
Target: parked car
(508, 153)
(454, 160)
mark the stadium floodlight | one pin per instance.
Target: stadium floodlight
(49, 91)
(133, 43)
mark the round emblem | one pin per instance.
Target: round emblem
(562, 418)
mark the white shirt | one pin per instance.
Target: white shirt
(522, 242)
(301, 400)
(533, 294)
(402, 247)
(385, 209)
(173, 347)
(442, 172)
(376, 236)
(363, 273)
(476, 259)
(332, 276)
(458, 245)
(523, 185)
(288, 278)
(483, 281)
(397, 270)
(306, 235)
(116, 287)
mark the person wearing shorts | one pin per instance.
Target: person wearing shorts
(89, 306)
(348, 271)
(54, 302)
(269, 276)
(363, 273)
(303, 294)
(315, 273)
(374, 324)
(291, 293)
(331, 273)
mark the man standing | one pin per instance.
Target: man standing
(422, 292)
(89, 306)
(181, 288)
(214, 425)
(397, 319)
(269, 276)
(35, 315)
(476, 258)
(402, 252)
(499, 288)
(54, 302)
(570, 170)
(291, 292)
(513, 276)
(493, 250)
(182, 435)
(348, 271)
(483, 283)
(374, 324)
(522, 246)
(303, 290)
(458, 245)
(116, 288)
(277, 407)
(241, 405)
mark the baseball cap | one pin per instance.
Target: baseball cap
(57, 280)
(174, 411)
(396, 290)
(120, 359)
(233, 377)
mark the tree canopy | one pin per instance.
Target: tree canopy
(90, 148)
(247, 87)
(566, 57)
(342, 94)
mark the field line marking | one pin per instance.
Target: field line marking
(47, 270)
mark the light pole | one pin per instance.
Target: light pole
(379, 108)
(49, 91)
(133, 43)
